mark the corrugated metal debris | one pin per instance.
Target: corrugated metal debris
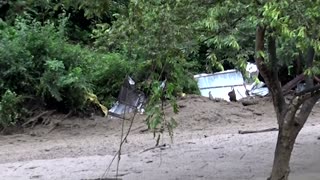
(129, 99)
(219, 84)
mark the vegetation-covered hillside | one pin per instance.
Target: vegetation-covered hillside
(56, 54)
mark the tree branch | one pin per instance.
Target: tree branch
(232, 25)
(270, 75)
(309, 62)
(304, 100)
(306, 109)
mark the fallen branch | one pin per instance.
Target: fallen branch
(34, 119)
(258, 131)
(55, 125)
(118, 153)
(293, 83)
(143, 130)
(159, 146)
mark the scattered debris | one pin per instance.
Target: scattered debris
(55, 125)
(206, 164)
(35, 177)
(263, 91)
(94, 99)
(217, 147)
(232, 96)
(143, 130)
(210, 96)
(257, 113)
(33, 134)
(258, 131)
(249, 101)
(191, 143)
(258, 89)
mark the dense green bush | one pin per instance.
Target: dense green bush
(108, 74)
(35, 59)
(10, 110)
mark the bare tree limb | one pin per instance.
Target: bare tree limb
(34, 119)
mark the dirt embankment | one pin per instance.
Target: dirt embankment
(206, 145)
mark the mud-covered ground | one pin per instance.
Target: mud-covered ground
(206, 145)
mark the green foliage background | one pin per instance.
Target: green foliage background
(54, 52)
(47, 60)
(37, 62)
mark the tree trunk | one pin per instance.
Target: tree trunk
(289, 120)
(285, 144)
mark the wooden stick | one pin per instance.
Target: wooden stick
(258, 131)
(154, 147)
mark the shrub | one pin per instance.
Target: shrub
(108, 73)
(36, 60)
(10, 109)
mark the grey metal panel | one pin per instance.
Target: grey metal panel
(221, 83)
(229, 78)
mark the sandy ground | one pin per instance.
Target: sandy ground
(206, 145)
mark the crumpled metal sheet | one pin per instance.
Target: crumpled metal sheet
(129, 99)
